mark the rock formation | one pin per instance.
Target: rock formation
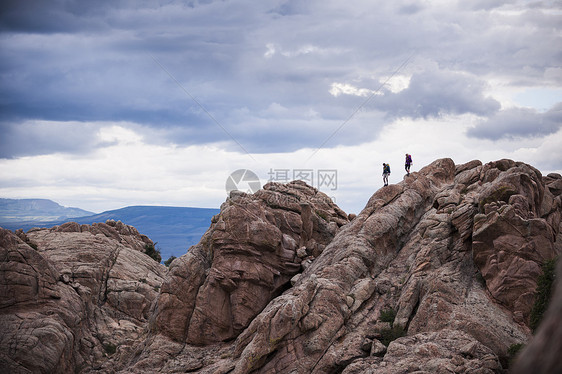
(73, 298)
(436, 274)
(412, 249)
(248, 256)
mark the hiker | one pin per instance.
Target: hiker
(408, 163)
(385, 173)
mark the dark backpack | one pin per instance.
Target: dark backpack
(409, 159)
(387, 168)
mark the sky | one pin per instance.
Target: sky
(114, 103)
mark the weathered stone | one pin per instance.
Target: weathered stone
(509, 243)
(405, 236)
(442, 265)
(377, 348)
(437, 352)
(554, 183)
(77, 301)
(247, 257)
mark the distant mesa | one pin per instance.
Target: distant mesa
(173, 229)
(39, 210)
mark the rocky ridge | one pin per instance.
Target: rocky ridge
(74, 297)
(285, 282)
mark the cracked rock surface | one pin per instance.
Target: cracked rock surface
(436, 274)
(76, 303)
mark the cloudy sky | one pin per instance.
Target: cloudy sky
(113, 103)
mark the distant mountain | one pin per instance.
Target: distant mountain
(174, 229)
(41, 210)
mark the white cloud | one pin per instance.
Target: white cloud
(337, 89)
(270, 50)
(396, 83)
(137, 173)
(118, 134)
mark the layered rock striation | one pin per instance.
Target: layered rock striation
(437, 274)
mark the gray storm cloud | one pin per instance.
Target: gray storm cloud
(88, 62)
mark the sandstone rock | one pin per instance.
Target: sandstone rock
(246, 258)
(439, 352)
(413, 243)
(377, 349)
(542, 355)
(510, 242)
(554, 183)
(76, 303)
(37, 314)
(285, 282)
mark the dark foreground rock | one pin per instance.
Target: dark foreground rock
(542, 355)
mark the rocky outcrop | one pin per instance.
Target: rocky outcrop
(402, 252)
(436, 274)
(514, 233)
(248, 256)
(73, 298)
(440, 249)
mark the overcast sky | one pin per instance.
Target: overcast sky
(112, 103)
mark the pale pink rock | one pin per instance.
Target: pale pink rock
(285, 282)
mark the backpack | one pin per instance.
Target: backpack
(409, 159)
(387, 168)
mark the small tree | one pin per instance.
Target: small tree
(169, 260)
(543, 293)
(387, 335)
(154, 253)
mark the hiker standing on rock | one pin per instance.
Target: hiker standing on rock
(408, 163)
(385, 173)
